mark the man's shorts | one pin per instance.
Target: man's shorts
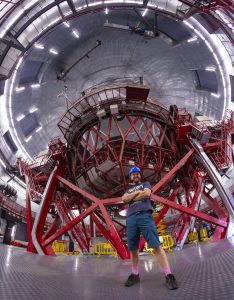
(141, 222)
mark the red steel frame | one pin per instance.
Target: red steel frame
(166, 157)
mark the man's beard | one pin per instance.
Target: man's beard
(136, 180)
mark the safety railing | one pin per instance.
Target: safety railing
(167, 243)
(16, 209)
(204, 235)
(76, 232)
(32, 185)
(59, 246)
(85, 109)
(13, 207)
(193, 237)
(103, 249)
(162, 228)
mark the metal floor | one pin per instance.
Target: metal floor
(203, 272)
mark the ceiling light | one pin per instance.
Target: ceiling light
(193, 39)
(106, 11)
(209, 46)
(151, 5)
(215, 95)
(133, 1)
(32, 110)
(38, 129)
(19, 89)
(188, 24)
(75, 33)
(211, 69)
(19, 118)
(95, 3)
(113, 1)
(66, 24)
(39, 46)
(216, 59)
(198, 33)
(28, 139)
(53, 51)
(145, 11)
(35, 85)
(123, 212)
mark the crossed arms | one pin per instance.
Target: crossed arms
(136, 196)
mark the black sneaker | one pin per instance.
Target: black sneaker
(171, 282)
(132, 279)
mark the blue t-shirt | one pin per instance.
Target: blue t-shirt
(142, 205)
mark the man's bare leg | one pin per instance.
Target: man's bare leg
(134, 258)
(162, 258)
(164, 264)
(134, 277)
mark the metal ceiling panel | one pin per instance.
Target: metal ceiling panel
(65, 8)
(9, 61)
(79, 3)
(171, 6)
(206, 80)
(176, 30)
(28, 124)
(232, 87)
(10, 142)
(2, 86)
(30, 71)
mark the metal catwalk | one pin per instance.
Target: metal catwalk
(203, 272)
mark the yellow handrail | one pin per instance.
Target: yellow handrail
(204, 235)
(103, 249)
(193, 236)
(167, 243)
(59, 246)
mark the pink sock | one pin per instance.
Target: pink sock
(135, 270)
(167, 270)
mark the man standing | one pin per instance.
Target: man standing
(140, 220)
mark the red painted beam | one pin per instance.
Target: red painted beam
(161, 214)
(119, 247)
(220, 211)
(30, 247)
(68, 226)
(53, 228)
(77, 189)
(46, 204)
(189, 211)
(113, 232)
(179, 165)
(164, 210)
